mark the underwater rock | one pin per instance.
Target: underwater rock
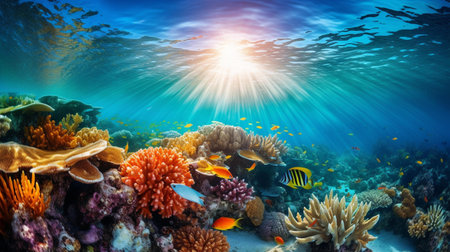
(128, 237)
(90, 236)
(273, 225)
(165, 243)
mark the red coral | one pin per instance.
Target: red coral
(50, 136)
(151, 171)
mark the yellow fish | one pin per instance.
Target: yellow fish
(259, 127)
(312, 145)
(279, 133)
(243, 119)
(290, 134)
(154, 143)
(419, 162)
(257, 121)
(227, 156)
(250, 124)
(441, 198)
(410, 184)
(442, 160)
(284, 141)
(124, 137)
(179, 128)
(147, 145)
(378, 160)
(299, 133)
(394, 139)
(326, 162)
(214, 157)
(407, 156)
(350, 134)
(317, 184)
(252, 167)
(401, 174)
(389, 163)
(286, 130)
(246, 128)
(330, 170)
(188, 125)
(275, 127)
(316, 164)
(304, 152)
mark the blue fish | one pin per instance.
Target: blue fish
(188, 193)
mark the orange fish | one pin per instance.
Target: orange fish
(394, 139)
(313, 223)
(378, 160)
(279, 240)
(381, 187)
(252, 167)
(358, 181)
(269, 202)
(126, 149)
(221, 172)
(425, 199)
(275, 127)
(214, 157)
(419, 162)
(226, 223)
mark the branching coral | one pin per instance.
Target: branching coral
(255, 211)
(437, 217)
(377, 198)
(235, 191)
(71, 122)
(49, 136)
(151, 171)
(419, 225)
(26, 193)
(406, 209)
(86, 136)
(190, 238)
(186, 144)
(335, 222)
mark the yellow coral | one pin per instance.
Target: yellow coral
(333, 222)
(187, 144)
(419, 226)
(91, 135)
(71, 122)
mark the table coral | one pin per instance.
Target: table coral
(186, 144)
(334, 222)
(50, 136)
(377, 198)
(151, 171)
(86, 136)
(406, 209)
(190, 238)
(255, 211)
(234, 190)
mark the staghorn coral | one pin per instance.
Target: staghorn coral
(151, 171)
(335, 222)
(377, 198)
(234, 190)
(190, 238)
(86, 136)
(406, 209)
(5, 125)
(187, 144)
(255, 211)
(24, 193)
(71, 122)
(437, 217)
(50, 136)
(273, 225)
(419, 225)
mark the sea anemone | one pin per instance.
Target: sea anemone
(151, 171)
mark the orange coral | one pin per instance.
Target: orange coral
(50, 136)
(26, 193)
(151, 171)
(255, 210)
(190, 238)
(406, 209)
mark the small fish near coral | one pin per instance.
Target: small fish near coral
(297, 177)
(313, 223)
(226, 223)
(251, 168)
(187, 193)
(220, 171)
(279, 240)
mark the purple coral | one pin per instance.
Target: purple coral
(235, 191)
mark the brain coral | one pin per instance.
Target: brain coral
(151, 171)
(377, 197)
(186, 144)
(273, 225)
(255, 210)
(188, 238)
(49, 136)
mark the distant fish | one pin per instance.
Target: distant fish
(350, 134)
(297, 177)
(220, 171)
(442, 160)
(227, 156)
(378, 160)
(407, 156)
(388, 163)
(250, 124)
(243, 119)
(275, 127)
(348, 195)
(441, 198)
(355, 148)
(188, 125)
(401, 174)
(313, 223)
(312, 145)
(214, 157)
(251, 168)
(187, 193)
(358, 181)
(381, 187)
(299, 133)
(290, 134)
(286, 131)
(410, 184)
(419, 162)
(330, 170)
(394, 139)
(259, 127)
(279, 240)
(226, 223)
(425, 199)
(318, 184)
(304, 152)
(269, 202)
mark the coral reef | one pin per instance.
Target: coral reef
(273, 225)
(377, 198)
(130, 237)
(407, 208)
(71, 122)
(151, 171)
(86, 136)
(255, 211)
(190, 238)
(334, 222)
(49, 136)
(437, 217)
(419, 225)
(228, 139)
(4, 125)
(234, 190)
(269, 147)
(187, 143)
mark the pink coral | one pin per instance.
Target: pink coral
(235, 191)
(151, 171)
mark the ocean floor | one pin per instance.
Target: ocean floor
(249, 242)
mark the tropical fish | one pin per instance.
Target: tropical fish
(226, 223)
(187, 193)
(227, 156)
(297, 176)
(300, 133)
(269, 202)
(312, 145)
(407, 156)
(442, 160)
(313, 223)
(220, 171)
(381, 187)
(350, 134)
(214, 157)
(425, 199)
(154, 143)
(358, 181)
(250, 124)
(394, 139)
(290, 134)
(304, 152)
(286, 131)
(279, 240)
(279, 133)
(125, 137)
(330, 170)
(419, 162)
(410, 183)
(275, 127)
(188, 125)
(441, 198)
(257, 121)
(401, 174)
(326, 161)
(126, 149)
(259, 127)
(252, 167)
(378, 160)
(317, 184)
(356, 148)
(388, 163)
(243, 119)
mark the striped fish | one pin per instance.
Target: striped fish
(297, 177)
